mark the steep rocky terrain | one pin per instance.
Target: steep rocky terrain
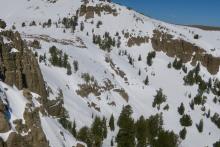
(66, 64)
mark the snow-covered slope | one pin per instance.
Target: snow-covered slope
(91, 59)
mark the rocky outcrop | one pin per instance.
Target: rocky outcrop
(79, 145)
(90, 11)
(18, 64)
(4, 124)
(184, 50)
(33, 138)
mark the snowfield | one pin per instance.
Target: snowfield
(91, 59)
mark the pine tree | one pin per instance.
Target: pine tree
(139, 58)
(126, 134)
(166, 139)
(2, 24)
(197, 69)
(139, 72)
(182, 133)
(81, 26)
(112, 123)
(150, 56)
(76, 65)
(141, 132)
(84, 135)
(189, 78)
(169, 65)
(146, 81)
(216, 144)
(112, 142)
(181, 109)
(159, 98)
(73, 131)
(65, 60)
(186, 120)
(184, 68)
(69, 70)
(104, 126)
(200, 126)
(177, 64)
(191, 104)
(97, 131)
(154, 127)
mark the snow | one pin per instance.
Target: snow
(16, 102)
(55, 133)
(14, 50)
(92, 60)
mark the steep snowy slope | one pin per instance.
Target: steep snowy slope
(117, 82)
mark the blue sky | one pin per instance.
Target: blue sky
(203, 12)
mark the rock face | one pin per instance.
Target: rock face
(184, 50)
(18, 64)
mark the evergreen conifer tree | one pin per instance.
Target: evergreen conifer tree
(112, 123)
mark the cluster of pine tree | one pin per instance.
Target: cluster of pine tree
(95, 135)
(46, 24)
(143, 132)
(60, 59)
(70, 23)
(193, 76)
(105, 43)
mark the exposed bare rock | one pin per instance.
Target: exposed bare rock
(184, 50)
(79, 145)
(4, 125)
(90, 11)
(20, 67)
